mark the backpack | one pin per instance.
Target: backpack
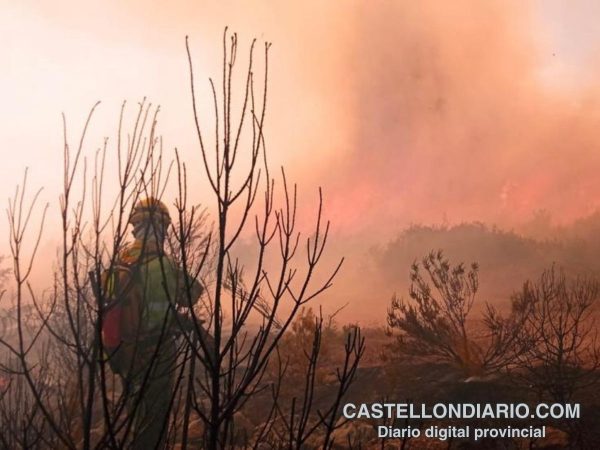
(121, 315)
(136, 306)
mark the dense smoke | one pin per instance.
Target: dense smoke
(455, 119)
(405, 112)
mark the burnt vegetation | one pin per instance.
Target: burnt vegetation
(58, 390)
(435, 324)
(258, 363)
(544, 349)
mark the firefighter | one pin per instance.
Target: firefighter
(149, 287)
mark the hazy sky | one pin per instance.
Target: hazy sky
(404, 111)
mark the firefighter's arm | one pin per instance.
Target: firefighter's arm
(190, 290)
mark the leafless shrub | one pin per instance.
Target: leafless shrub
(60, 390)
(561, 355)
(310, 416)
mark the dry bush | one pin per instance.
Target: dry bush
(62, 393)
(562, 352)
(436, 325)
(295, 348)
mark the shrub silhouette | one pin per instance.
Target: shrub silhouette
(436, 325)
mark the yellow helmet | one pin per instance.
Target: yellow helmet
(150, 210)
